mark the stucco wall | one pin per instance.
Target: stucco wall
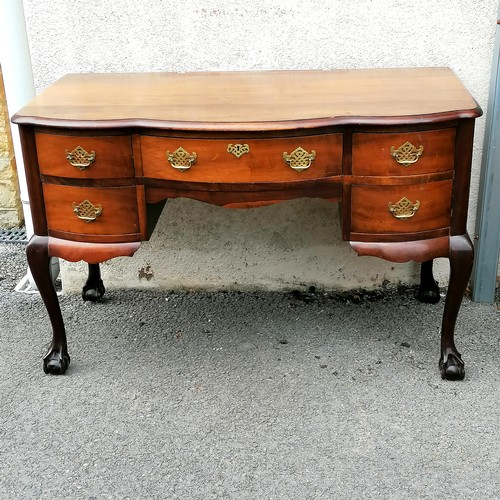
(291, 244)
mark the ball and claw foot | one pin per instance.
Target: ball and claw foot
(93, 292)
(56, 361)
(451, 366)
(429, 294)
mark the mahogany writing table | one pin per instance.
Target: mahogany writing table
(103, 152)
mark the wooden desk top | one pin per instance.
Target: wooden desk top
(246, 101)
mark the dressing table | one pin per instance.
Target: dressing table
(103, 153)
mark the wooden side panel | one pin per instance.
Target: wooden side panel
(37, 205)
(463, 159)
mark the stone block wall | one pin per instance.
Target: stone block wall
(10, 202)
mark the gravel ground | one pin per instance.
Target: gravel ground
(183, 395)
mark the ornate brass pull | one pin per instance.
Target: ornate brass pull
(87, 211)
(404, 208)
(181, 160)
(299, 159)
(79, 158)
(407, 154)
(238, 150)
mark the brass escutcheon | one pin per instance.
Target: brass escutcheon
(181, 160)
(404, 208)
(238, 150)
(299, 159)
(87, 211)
(79, 158)
(407, 153)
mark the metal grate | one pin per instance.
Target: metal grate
(16, 235)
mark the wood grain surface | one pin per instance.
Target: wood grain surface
(263, 163)
(113, 156)
(371, 152)
(119, 209)
(370, 214)
(260, 100)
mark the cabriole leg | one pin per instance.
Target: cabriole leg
(93, 289)
(429, 290)
(57, 359)
(461, 259)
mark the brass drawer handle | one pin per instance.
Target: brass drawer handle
(181, 160)
(79, 158)
(87, 211)
(299, 159)
(404, 208)
(407, 153)
(238, 150)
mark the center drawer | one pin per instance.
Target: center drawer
(242, 160)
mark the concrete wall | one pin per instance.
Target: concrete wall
(292, 244)
(10, 202)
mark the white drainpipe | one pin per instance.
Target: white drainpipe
(17, 73)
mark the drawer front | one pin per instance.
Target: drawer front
(100, 157)
(91, 211)
(400, 209)
(396, 154)
(308, 157)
